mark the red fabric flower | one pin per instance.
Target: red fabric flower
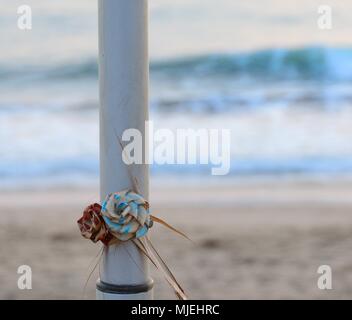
(92, 225)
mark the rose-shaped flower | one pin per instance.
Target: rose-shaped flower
(92, 225)
(126, 215)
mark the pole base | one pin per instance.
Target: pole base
(107, 291)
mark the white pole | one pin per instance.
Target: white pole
(123, 77)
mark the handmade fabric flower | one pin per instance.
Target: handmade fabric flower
(92, 225)
(126, 215)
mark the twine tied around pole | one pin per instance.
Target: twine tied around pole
(125, 216)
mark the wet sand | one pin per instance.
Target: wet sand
(252, 241)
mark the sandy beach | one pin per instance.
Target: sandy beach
(252, 241)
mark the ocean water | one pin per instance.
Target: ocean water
(261, 69)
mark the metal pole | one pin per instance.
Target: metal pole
(123, 78)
